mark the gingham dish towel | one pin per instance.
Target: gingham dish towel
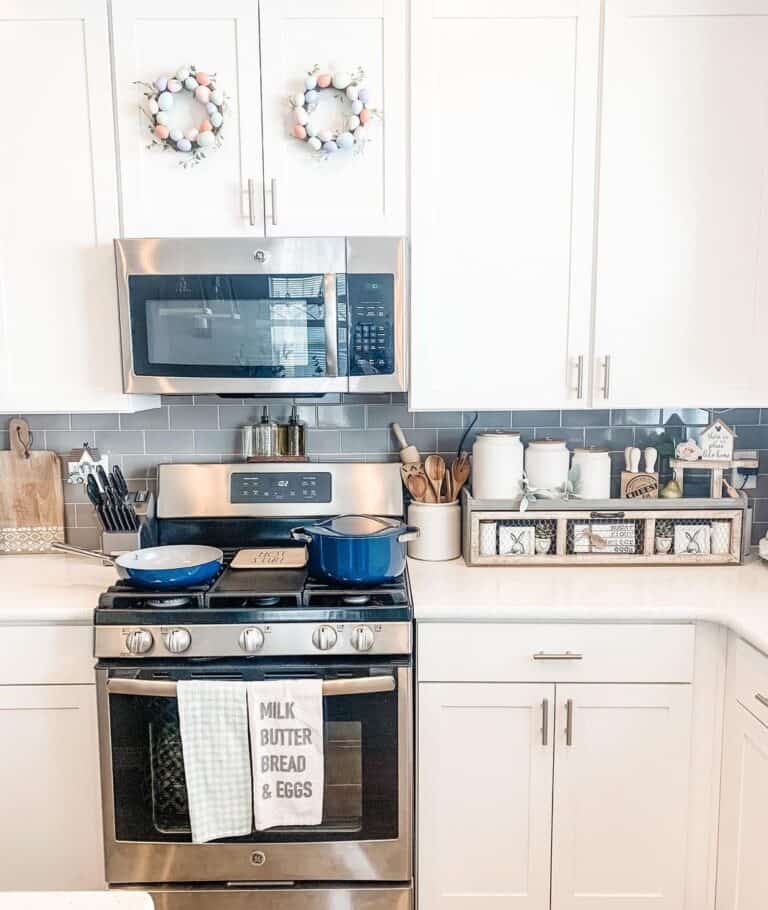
(213, 720)
(286, 721)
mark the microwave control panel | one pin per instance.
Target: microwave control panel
(312, 486)
(371, 324)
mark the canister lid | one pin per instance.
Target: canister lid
(547, 442)
(591, 450)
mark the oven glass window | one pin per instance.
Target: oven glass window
(230, 326)
(361, 781)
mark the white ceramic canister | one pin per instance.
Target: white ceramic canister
(440, 526)
(546, 463)
(497, 466)
(591, 472)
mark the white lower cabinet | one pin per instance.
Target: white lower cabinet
(50, 836)
(485, 807)
(559, 793)
(621, 797)
(742, 880)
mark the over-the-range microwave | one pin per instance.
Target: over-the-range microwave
(268, 316)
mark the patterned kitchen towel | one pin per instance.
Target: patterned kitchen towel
(286, 721)
(213, 720)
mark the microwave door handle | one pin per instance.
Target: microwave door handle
(166, 688)
(331, 325)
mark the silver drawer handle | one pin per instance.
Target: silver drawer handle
(569, 722)
(557, 655)
(166, 688)
(762, 699)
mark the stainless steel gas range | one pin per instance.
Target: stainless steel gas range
(260, 624)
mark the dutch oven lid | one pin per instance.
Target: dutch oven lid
(355, 526)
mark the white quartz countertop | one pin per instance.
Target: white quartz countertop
(51, 588)
(735, 596)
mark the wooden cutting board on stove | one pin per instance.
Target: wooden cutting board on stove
(31, 495)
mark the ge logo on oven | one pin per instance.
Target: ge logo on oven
(258, 858)
(260, 256)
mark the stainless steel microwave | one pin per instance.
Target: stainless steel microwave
(288, 315)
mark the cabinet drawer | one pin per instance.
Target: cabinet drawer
(544, 652)
(39, 655)
(748, 677)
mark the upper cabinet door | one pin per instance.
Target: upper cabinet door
(161, 198)
(59, 339)
(682, 274)
(347, 193)
(504, 110)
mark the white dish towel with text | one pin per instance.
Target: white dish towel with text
(213, 721)
(286, 721)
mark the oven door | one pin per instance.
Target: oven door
(365, 834)
(198, 316)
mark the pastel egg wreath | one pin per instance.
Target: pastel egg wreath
(351, 89)
(196, 141)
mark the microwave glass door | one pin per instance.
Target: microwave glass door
(281, 326)
(361, 771)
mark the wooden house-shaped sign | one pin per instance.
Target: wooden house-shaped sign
(717, 441)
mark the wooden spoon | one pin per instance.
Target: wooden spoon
(417, 486)
(448, 487)
(434, 466)
(460, 472)
(407, 469)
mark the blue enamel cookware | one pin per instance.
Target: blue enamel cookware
(356, 549)
(177, 566)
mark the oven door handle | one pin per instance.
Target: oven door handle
(166, 688)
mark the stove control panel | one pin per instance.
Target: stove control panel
(283, 486)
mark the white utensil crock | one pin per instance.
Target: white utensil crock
(440, 526)
(497, 466)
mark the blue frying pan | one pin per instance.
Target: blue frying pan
(177, 566)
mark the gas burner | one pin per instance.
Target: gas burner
(168, 602)
(356, 599)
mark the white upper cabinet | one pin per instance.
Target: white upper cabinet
(59, 340)
(504, 108)
(161, 198)
(682, 269)
(348, 193)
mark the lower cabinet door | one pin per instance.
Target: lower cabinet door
(50, 816)
(742, 879)
(621, 797)
(485, 795)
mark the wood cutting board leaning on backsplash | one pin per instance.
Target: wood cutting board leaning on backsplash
(31, 495)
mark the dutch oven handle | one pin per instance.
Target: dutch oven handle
(410, 533)
(301, 534)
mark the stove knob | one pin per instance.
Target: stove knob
(362, 638)
(139, 641)
(251, 640)
(177, 640)
(324, 638)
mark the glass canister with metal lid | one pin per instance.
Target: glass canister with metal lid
(497, 465)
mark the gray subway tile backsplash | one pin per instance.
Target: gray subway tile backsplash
(357, 428)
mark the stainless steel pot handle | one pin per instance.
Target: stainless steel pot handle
(300, 534)
(81, 551)
(410, 533)
(166, 688)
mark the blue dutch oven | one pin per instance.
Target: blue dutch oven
(356, 549)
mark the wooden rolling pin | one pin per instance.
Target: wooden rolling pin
(408, 454)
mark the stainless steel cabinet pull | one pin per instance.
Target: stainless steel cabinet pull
(251, 202)
(606, 390)
(166, 688)
(569, 722)
(580, 376)
(558, 655)
(273, 185)
(545, 722)
(762, 699)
